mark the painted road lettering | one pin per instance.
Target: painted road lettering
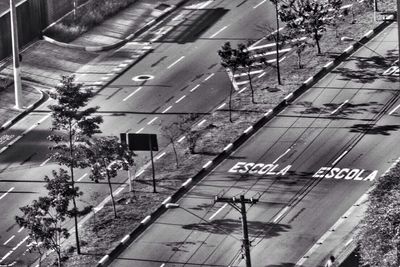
(259, 168)
(346, 174)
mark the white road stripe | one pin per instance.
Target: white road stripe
(139, 173)
(339, 107)
(20, 243)
(5, 194)
(141, 129)
(209, 76)
(218, 211)
(221, 106)
(8, 254)
(168, 108)
(170, 66)
(244, 88)
(134, 92)
(339, 158)
(262, 74)
(44, 162)
(160, 156)
(280, 214)
(119, 190)
(180, 99)
(251, 73)
(153, 120)
(215, 34)
(181, 139)
(21, 229)
(202, 122)
(259, 4)
(8, 240)
(287, 151)
(83, 176)
(194, 88)
(394, 110)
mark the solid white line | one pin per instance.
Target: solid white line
(141, 129)
(167, 200)
(83, 176)
(259, 4)
(44, 162)
(180, 99)
(181, 139)
(139, 173)
(207, 164)
(134, 92)
(339, 107)
(170, 66)
(209, 76)
(228, 146)
(202, 122)
(215, 34)
(8, 254)
(9, 190)
(187, 182)
(8, 240)
(339, 158)
(221, 106)
(248, 129)
(153, 120)
(161, 155)
(394, 110)
(194, 88)
(146, 219)
(280, 214)
(119, 191)
(287, 151)
(218, 211)
(168, 108)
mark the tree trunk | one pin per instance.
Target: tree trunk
(176, 154)
(230, 98)
(58, 257)
(251, 87)
(111, 191)
(71, 154)
(317, 41)
(299, 60)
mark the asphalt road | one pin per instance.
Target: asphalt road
(187, 78)
(307, 166)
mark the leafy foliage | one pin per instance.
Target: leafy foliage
(45, 216)
(107, 156)
(379, 231)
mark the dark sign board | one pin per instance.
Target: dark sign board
(140, 142)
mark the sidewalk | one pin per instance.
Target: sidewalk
(43, 62)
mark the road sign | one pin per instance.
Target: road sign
(140, 142)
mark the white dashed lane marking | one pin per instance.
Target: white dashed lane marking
(8, 240)
(153, 120)
(339, 107)
(194, 88)
(215, 34)
(6, 193)
(394, 110)
(141, 129)
(180, 99)
(209, 76)
(134, 92)
(218, 211)
(259, 4)
(174, 63)
(44, 162)
(83, 176)
(165, 110)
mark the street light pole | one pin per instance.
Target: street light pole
(15, 50)
(277, 43)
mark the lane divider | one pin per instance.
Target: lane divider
(218, 211)
(175, 62)
(6, 193)
(218, 32)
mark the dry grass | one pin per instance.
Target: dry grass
(100, 237)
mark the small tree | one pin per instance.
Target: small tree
(246, 59)
(185, 124)
(229, 61)
(107, 156)
(307, 16)
(72, 123)
(45, 216)
(172, 132)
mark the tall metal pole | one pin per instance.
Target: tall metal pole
(246, 242)
(15, 51)
(152, 165)
(398, 30)
(277, 43)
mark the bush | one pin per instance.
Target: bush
(93, 13)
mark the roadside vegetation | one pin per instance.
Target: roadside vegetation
(106, 227)
(86, 16)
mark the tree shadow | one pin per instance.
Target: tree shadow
(231, 226)
(371, 129)
(283, 264)
(367, 69)
(347, 109)
(180, 246)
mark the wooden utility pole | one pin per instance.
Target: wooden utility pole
(242, 209)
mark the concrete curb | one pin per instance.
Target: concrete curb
(26, 111)
(147, 26)
(126, 240)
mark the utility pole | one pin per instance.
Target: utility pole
(15, 50)
(277, 43)
(242, 209)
